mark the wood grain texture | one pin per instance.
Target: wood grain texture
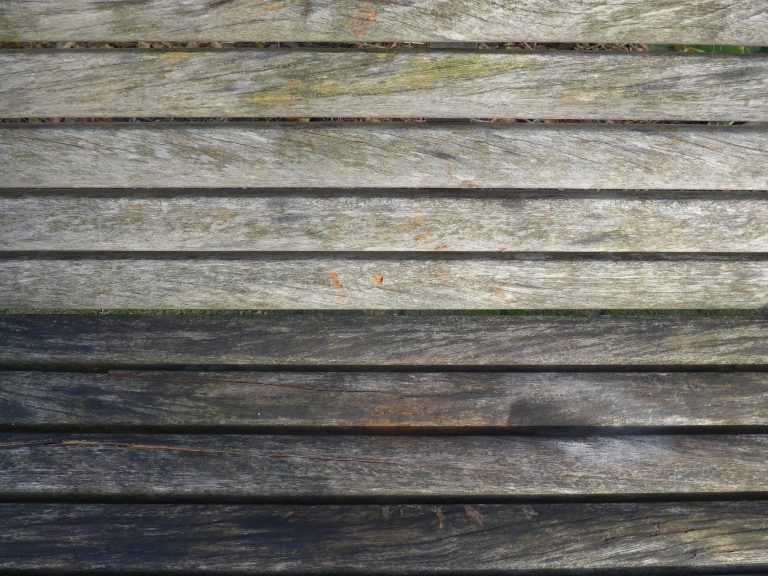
(437, 84)
(405, 339)
(569, 221)
(382, 400)
(647, 21)
(266, 466)
(418, 539)
(397, 283)
(389, 155)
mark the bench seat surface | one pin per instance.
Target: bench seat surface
(271, 306)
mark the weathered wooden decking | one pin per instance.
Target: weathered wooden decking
(233, 343)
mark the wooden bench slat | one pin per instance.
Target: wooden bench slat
(647, 21)
(398, 155)
(418, 539)
(437, 84)
(382, 400)
(397, 283)
(517, 221)
(265, 466)
(402, 340)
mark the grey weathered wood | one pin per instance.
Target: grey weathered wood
(397, 155)
(647, 21)
(397, 283)
(709, 537)
(516, 221)
(405, 339)
(438, 84)
(264, 466)
(382, 400)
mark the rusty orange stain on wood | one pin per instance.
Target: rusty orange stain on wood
(334, 279)
(439, 247)
(335, 282)
(174, 58)
(421, 237)
(498, 293)
(363, 18)
(378, 279)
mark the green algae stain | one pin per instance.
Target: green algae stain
(400, 75)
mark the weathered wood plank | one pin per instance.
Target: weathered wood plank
(437, 84)
(395, 283)
(647, 21)
(405, 339)
(474, 222)
(419, 539)
(396, 155)
(390, 539)
(382, 400)
(265, 466)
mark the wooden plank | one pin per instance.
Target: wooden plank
(418, 539)
(405, 339)
(265, 466)
(706, 537)
(473, 222)
(382, 400)
(646, 21)
(389, 155)
(436, 84)
(394, 283)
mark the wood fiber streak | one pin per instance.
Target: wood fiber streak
(442, 84)
(470, 222)
(382, 400)
(314, 339)
(265, 466)
(646, 21)
(323, 283)
(395, 155)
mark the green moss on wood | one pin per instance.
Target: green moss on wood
(412, 73)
